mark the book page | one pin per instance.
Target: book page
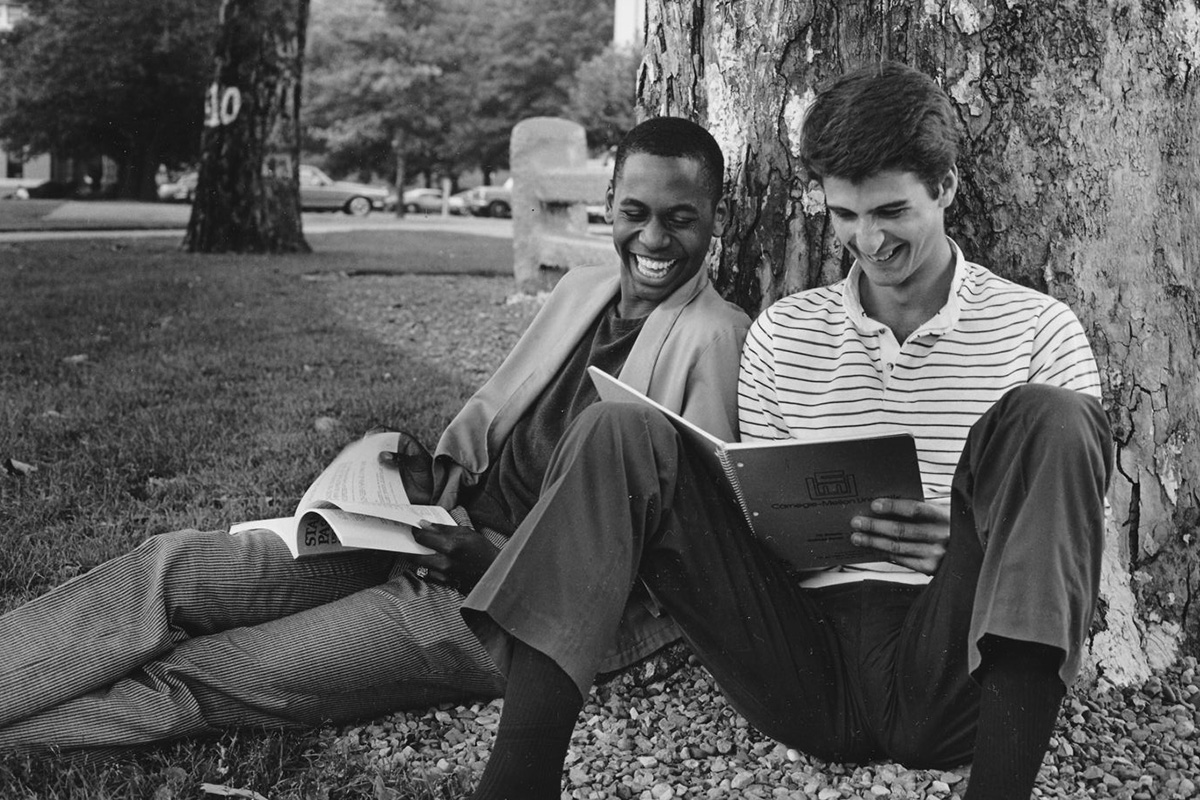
(356, 482)
(313, 540)
(364, 531)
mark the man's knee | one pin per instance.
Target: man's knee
(1057, 415)
(620, 420)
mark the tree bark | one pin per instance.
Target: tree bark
(1080, 177)
(248, 196)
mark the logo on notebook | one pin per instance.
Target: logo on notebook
(832, 485)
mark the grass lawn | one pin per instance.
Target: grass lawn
(23, 214)
(152, 390)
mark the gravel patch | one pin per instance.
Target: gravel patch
(677, 738)
(642, 735)
(465, 324)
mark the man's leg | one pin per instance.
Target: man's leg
(401, 644)
(103, 625)
(620, 497)
(1012, 602)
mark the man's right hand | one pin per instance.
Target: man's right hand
(415, 465)
(906, 532)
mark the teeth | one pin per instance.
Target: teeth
(652, 267)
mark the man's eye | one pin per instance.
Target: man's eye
(891, 213)
(636, 214)
(681, 222)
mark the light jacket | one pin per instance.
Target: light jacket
(686, 358)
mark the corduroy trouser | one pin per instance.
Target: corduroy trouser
(855, 672)
(192, 632)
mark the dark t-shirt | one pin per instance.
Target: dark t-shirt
(514, 481)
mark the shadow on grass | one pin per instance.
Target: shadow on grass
(154, 390)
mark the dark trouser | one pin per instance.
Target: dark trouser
(847, 673)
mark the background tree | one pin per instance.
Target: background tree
(371, 86)
(248, 192)
(601, 96)
(439, 85)
(1079, 177)
(115, 78)
(528, 51)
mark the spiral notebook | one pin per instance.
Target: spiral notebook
(798, 496)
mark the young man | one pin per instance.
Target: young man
(193, 632)
(960, 642)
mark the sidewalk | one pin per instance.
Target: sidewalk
(28, 220)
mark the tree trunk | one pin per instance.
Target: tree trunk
(248, 196)
(1080, 176)
(401, 168)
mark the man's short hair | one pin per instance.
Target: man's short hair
(675, 137)
(886, 116)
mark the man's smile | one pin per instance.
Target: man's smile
(882, 257)
(652, 268)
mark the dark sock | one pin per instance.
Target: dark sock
(541, 705)
(1021, 697)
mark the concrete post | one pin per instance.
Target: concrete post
(542, 145)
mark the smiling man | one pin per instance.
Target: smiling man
(664, 211)
(149, 646)
(959, 641)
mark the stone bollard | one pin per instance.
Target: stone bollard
(552, 185)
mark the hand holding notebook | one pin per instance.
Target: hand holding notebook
(798, 496)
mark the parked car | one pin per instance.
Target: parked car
(423, 201)
(458, 203)
(319, 192)
(490, 201)
(181, 190)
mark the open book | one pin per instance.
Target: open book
(355, 502)
(798, 496)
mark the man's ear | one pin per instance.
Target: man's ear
(948, 188)
(721, 216)
(608, 203)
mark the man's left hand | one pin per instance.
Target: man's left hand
(910, 533)
(460, 557)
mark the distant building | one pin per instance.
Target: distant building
(10, 15)
(629, 23)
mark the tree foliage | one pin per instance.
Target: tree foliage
(437, 86)
(371, 72)
(119, 78)
(602, 95)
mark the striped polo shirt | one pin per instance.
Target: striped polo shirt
(814, 364)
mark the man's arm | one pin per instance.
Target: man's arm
(710, 399)
(1062, 355)
(759, 415)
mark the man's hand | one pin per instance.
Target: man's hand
(908, 532)
(415, 465)
(462, 554)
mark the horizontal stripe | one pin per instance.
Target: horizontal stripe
(807, 368)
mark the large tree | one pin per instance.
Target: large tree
(115, 78)
(1081, 177)
(248, 192)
